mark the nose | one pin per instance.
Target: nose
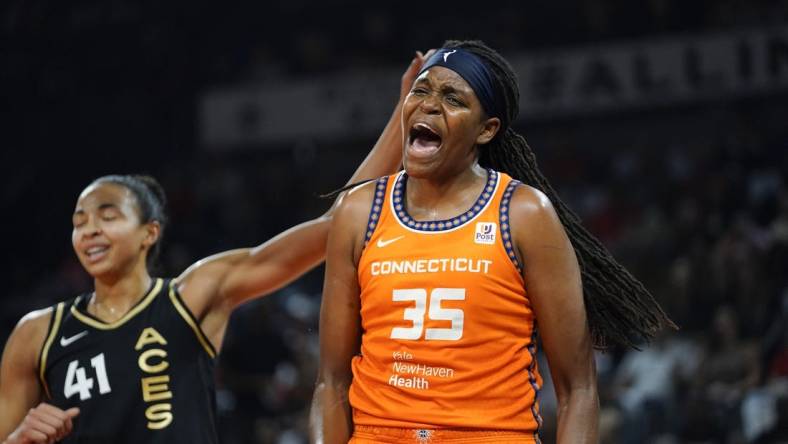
(90, 228)
(430, 104)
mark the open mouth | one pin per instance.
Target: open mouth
(424, 140)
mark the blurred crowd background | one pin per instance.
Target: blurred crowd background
(691, 194)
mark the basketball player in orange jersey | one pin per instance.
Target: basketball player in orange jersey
(437, 278)
(132, 361)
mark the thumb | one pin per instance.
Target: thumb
(72, 412)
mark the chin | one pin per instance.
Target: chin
(420, 170)
(99, 270)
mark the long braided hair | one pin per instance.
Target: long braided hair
(619, 308)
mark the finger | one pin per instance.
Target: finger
(55, 417)
(419, 55)
(414, 67)
(64, 424)
(34, 436)
(40, 426)
(52, 415)
(46, 422)
(69, 424)
(52, 410)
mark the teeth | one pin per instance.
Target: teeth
(424, 127)
(94, 250)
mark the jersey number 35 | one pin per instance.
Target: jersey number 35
(417, 313)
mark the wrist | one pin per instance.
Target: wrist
(13, 438)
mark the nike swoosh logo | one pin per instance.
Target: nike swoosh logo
(447, 54)
(382, 243)
(65, 342)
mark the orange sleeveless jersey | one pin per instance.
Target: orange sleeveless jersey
(448, 332)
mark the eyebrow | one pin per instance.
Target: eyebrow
(101, 207)
(449, 86)
(422, 79)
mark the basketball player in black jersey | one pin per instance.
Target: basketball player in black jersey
(132, 361)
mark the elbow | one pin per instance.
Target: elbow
(327, 380)
(334, 375)
(326, 217)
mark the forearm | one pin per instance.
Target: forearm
(10, 439)
(386, 156)
(7, 425)
(5, 434)
(578, 417)
(6, 430)
(330, 420)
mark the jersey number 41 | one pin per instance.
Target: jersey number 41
(77, 381)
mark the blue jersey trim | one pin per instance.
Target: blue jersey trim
(377, 205)
(401, 213)
(506, 235)
(535, 385)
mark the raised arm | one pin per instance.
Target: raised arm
(214, 286)
(340, 321)
(552, 279)
(23, 418)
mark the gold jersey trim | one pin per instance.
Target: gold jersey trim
(57, 316)
(125, 318)
(189, 318)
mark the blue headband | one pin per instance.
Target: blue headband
(478, 76)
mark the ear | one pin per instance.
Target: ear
(490, 128)
(152, 232)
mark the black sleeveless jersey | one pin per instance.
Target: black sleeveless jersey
(145, 378)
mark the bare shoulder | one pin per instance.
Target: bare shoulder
(352, 211)
(351, 217)
(534, 223)
(28, 336)
(34, 323)
(530, 204)
(357, 201)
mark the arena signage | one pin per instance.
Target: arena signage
(554, 83)
(652, 72)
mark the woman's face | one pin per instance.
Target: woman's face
(442, 123)
(108, 236)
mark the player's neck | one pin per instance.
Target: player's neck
(450, 195)
(122, 292)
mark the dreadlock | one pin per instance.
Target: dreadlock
(619, 308)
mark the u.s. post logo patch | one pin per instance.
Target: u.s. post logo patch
(485, 233)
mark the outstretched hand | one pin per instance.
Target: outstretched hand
(44, 424)
(413, 70)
